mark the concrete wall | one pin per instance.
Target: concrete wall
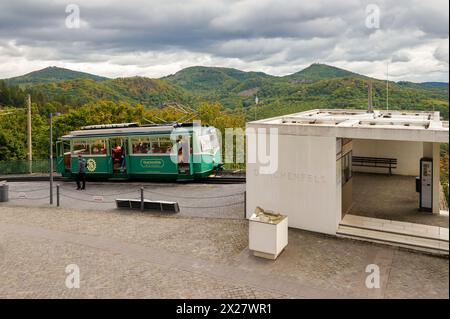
(408, 155)
(347, 188)
(306, 186)
(339, 194)
(347, 197)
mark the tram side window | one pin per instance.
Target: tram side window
(98, 147)
(152, 145)
(165, 145)
(141, 145)
(95, 147)
(80, 147)
(161, 145)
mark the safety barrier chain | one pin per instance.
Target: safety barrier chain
(32, 198)
(218, 206)
(194, 197)
(87, 200)
(69, 194)
(102, 194)
(26, 190)
(159, 193)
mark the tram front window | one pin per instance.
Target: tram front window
(209, 143)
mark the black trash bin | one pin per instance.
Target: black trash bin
(418, 185)
(4, 193)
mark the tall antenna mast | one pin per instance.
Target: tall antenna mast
(369, 99)
(256, 105)
(387, 86)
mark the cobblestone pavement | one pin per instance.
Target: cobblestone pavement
(134, 255)
(195, 199)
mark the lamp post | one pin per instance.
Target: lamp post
(29, 140)
(51, 156)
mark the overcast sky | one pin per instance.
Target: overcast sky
(158, 37)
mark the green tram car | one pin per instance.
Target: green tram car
(175, 152)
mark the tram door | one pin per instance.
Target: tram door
(63, 155)
(119, 154)
(184, 155)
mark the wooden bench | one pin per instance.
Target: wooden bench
(381, 162)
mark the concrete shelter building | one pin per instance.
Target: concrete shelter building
(356, 173)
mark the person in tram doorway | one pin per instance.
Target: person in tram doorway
(122, 160)
(116, 156)
(81, 173)
(180, 150)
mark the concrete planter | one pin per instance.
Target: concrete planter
(267, 238)
(4, 192)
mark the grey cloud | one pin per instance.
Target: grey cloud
(400, 57)
(441, 53)
(272, 32)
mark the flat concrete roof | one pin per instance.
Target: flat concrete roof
(347, 123)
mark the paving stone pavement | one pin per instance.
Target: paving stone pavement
(134, 255)
(194, 199)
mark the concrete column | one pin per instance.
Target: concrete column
(427, 150)
(432, 150)
(436, 177)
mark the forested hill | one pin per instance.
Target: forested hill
(316, 72)
(146, 91)
(317, 86)
(51, 74)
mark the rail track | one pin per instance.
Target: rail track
(225, 180)
(219, 179)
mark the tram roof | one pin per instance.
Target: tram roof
(126, 129)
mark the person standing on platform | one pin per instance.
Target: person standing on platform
(81, 173)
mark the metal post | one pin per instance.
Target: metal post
(57, 195)
(51, 159)
(142, 199)
(245, 204)
(30, 145)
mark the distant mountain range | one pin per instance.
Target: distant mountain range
(200, 77)
(318, 85)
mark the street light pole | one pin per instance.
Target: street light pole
(51, 158)
(30, 145)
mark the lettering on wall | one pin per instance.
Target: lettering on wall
(301, 177)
